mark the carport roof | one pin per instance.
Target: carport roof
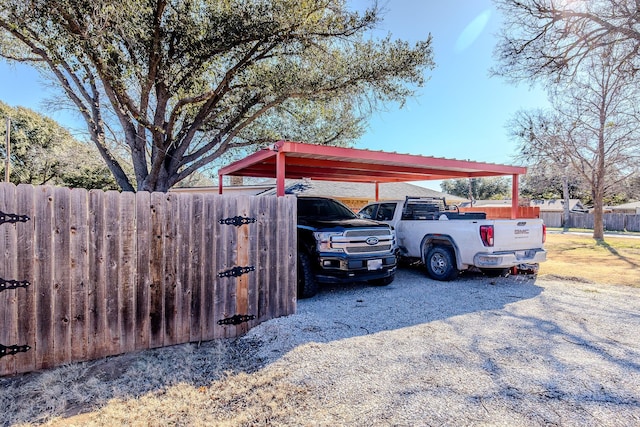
(326, 163)
(296, 160)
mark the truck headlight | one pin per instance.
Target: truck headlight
(324, 241)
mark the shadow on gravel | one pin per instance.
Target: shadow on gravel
(335, 313)
(339, 312)
(577, 360)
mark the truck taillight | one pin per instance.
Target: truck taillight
(486, 234)
(544, 233)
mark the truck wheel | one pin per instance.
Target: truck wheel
(440, 263)
(307, 285)
(382, 282)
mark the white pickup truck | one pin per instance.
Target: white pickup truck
(448, 241)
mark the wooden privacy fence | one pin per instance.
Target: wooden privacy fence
(92, 273)
(612, 222)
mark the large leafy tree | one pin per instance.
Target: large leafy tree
(43, 152)
(184, 82)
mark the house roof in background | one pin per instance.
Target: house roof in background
(632, 205)
(487, 203)
(546, 205)
(361, 190)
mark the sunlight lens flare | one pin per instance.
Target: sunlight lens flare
(472, 31)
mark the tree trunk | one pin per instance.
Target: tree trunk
(598, 219)
(98, 138)
(598, 187)
(598, 203)
(567, 200)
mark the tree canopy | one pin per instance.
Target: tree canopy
(183, 82)
(487, 188)
(43, 152)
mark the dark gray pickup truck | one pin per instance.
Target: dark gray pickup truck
(335, 246)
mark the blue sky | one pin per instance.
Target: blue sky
(460, 113)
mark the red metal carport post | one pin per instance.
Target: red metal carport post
(514, 197)
(280, 173)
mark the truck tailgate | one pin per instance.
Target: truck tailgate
(517, 234)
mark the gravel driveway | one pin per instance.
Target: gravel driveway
(477, 351)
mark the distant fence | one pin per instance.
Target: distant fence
(93, 273)
(500, 212)
(612, 222)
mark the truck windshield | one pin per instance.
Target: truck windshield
(323, 208)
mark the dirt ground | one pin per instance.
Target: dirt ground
(511, 351)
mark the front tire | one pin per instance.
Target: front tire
(307, 285)
(441, 263)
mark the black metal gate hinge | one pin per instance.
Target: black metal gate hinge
(13, 349)
(12, 284)
(237, 319)
(236, 271)
(237, 221)
(8, 217)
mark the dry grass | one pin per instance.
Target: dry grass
(242, 399)
(616, 260)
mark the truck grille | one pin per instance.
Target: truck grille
(368, 232)
(355, 241)
(367, 249)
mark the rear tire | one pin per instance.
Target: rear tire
(441, 263)
(307, 285)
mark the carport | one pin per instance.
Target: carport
(296, 160)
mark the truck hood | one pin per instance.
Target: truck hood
(340, 223)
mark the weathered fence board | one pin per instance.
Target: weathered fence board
(183, 260)
(216, 301)
(78, 271)
(127, 273)
(551, 219)
(266, 228)
(143, 268)
(632, 223)
(115, 272)
(243, 258)
(196, 283)
(27, 309)
(44, 345)
(288, 260)
(61, 270)
(8, 298)
(614, 222)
